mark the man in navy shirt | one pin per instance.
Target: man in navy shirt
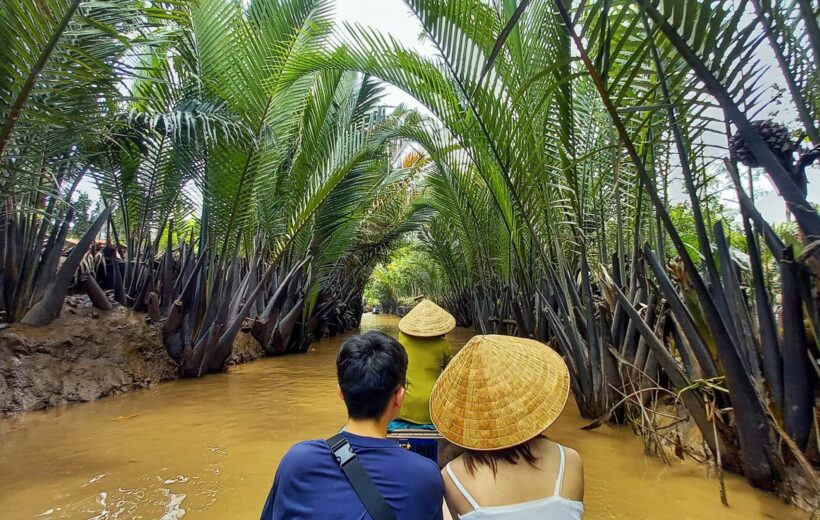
(309, 483)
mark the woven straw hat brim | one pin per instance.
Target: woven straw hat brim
(427, 320)
(498, 392)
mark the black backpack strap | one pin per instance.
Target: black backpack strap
(368, 493)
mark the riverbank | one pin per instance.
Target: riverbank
(88, 354)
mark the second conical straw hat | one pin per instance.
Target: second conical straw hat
(498, 392)
(427, 320)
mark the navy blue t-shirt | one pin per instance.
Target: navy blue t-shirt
(309, 483)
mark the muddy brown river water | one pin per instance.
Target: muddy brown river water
(208, 449)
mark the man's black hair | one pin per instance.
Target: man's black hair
(370, 368)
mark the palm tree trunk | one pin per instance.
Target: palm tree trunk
(48, 308)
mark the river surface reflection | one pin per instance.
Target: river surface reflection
(208, 449)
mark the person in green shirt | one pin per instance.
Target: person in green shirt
(422, 333)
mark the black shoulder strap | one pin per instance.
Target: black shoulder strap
(368, 493)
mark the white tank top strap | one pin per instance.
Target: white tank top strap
(559, 480)
(461, 488)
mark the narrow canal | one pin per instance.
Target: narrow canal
(208, 449)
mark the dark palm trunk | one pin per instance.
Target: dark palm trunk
(798, 409)
(48, 308)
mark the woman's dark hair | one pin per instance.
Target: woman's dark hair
(511, 455)
(370, 368)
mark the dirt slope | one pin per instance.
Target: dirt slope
(87, 354)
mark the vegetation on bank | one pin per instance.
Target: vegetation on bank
(558, 215)
(231, 198)
(409, 272)
(249, 178)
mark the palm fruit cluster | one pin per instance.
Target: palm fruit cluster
(773, 134)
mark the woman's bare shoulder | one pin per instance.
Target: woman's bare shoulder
(454, 466)
(573, 486)
(454, 500)
(573, 457)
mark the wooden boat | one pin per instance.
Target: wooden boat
(427, 443)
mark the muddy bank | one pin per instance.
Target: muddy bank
(245, 349)
(87, 354)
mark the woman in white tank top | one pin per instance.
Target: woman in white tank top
(495, 399)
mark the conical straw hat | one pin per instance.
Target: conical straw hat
(427, 320)
(499, 391)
